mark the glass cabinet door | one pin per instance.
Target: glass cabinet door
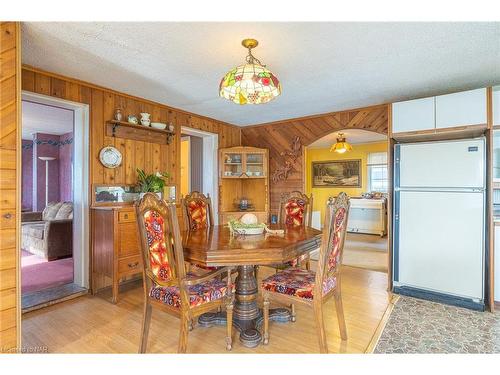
(254, 165)
(232, 165)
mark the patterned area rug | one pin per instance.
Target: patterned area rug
(418, 326)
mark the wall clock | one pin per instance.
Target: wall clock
(110, 157)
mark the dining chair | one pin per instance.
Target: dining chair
(167, 285)
(198, 214)
(311, 288)
(295, 209)
(198, 210)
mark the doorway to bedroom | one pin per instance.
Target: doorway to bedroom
(51, 256)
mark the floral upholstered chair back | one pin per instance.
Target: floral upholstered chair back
(198, 211)
(160, 241)
(332, 242)
(295, 209)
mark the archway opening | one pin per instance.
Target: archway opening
(362, 173)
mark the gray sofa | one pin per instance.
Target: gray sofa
(49, 234)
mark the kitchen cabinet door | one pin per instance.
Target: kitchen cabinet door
(413, 115)
(461, 109)
(496, 105)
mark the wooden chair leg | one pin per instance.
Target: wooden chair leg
(340, 314)
(183, 334)
(256, 273)
(320, 327)
(294, 315)
(229, 325)
(146, 322)
(308, 262)
(265, 336)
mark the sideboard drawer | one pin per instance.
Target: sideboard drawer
(128, 241)
(129, 265)
(126, 216)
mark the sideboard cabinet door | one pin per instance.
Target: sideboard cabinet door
(413, 115)
(461, 109)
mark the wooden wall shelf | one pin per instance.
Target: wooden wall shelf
(123, 129)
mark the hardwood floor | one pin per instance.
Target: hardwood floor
(91, 324)
(366, 251)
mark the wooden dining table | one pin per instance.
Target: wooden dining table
(217, 246)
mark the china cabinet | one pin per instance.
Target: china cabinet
(243, 183)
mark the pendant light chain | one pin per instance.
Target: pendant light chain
(251, 59)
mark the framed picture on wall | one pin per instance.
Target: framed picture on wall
(336, 173)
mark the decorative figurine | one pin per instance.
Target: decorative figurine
(171, 127)
(118, 114)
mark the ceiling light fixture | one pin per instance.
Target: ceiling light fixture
(341, 146)
(250, 83)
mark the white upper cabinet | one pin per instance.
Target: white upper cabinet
(413, 115)
(461, 109)
(496, 105)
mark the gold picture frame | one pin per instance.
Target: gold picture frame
(336, 173)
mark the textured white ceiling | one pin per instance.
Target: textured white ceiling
(354, 136)
(323, 67)
(40, 118)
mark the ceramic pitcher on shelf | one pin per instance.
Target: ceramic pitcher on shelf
(145, 118)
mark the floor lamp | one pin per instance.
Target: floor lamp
(46, 159)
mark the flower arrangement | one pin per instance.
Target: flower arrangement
(153, 183)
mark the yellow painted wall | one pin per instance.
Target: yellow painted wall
(320, 195)
(185, 171)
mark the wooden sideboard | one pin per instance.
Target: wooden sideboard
(115, 247)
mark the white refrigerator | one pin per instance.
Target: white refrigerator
(439, 219)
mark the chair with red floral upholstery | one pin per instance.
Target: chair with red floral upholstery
(167, 285)
(198, 214)
(313, 289)
(296, 209)
(198, 211)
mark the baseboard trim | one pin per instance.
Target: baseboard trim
(439, 297)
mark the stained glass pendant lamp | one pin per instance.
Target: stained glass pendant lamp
(250, 83)
(341, 146)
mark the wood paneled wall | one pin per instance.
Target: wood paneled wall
(102, 103)
(9, 182)
(278, 136)
(151, 157)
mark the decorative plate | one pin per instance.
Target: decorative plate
(110, 157)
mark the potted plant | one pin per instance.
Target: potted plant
(151, 183)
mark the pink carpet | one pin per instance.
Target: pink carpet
(37, 273)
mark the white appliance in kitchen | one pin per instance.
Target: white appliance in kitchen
(439, 221)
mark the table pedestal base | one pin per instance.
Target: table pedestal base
(250, 335)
